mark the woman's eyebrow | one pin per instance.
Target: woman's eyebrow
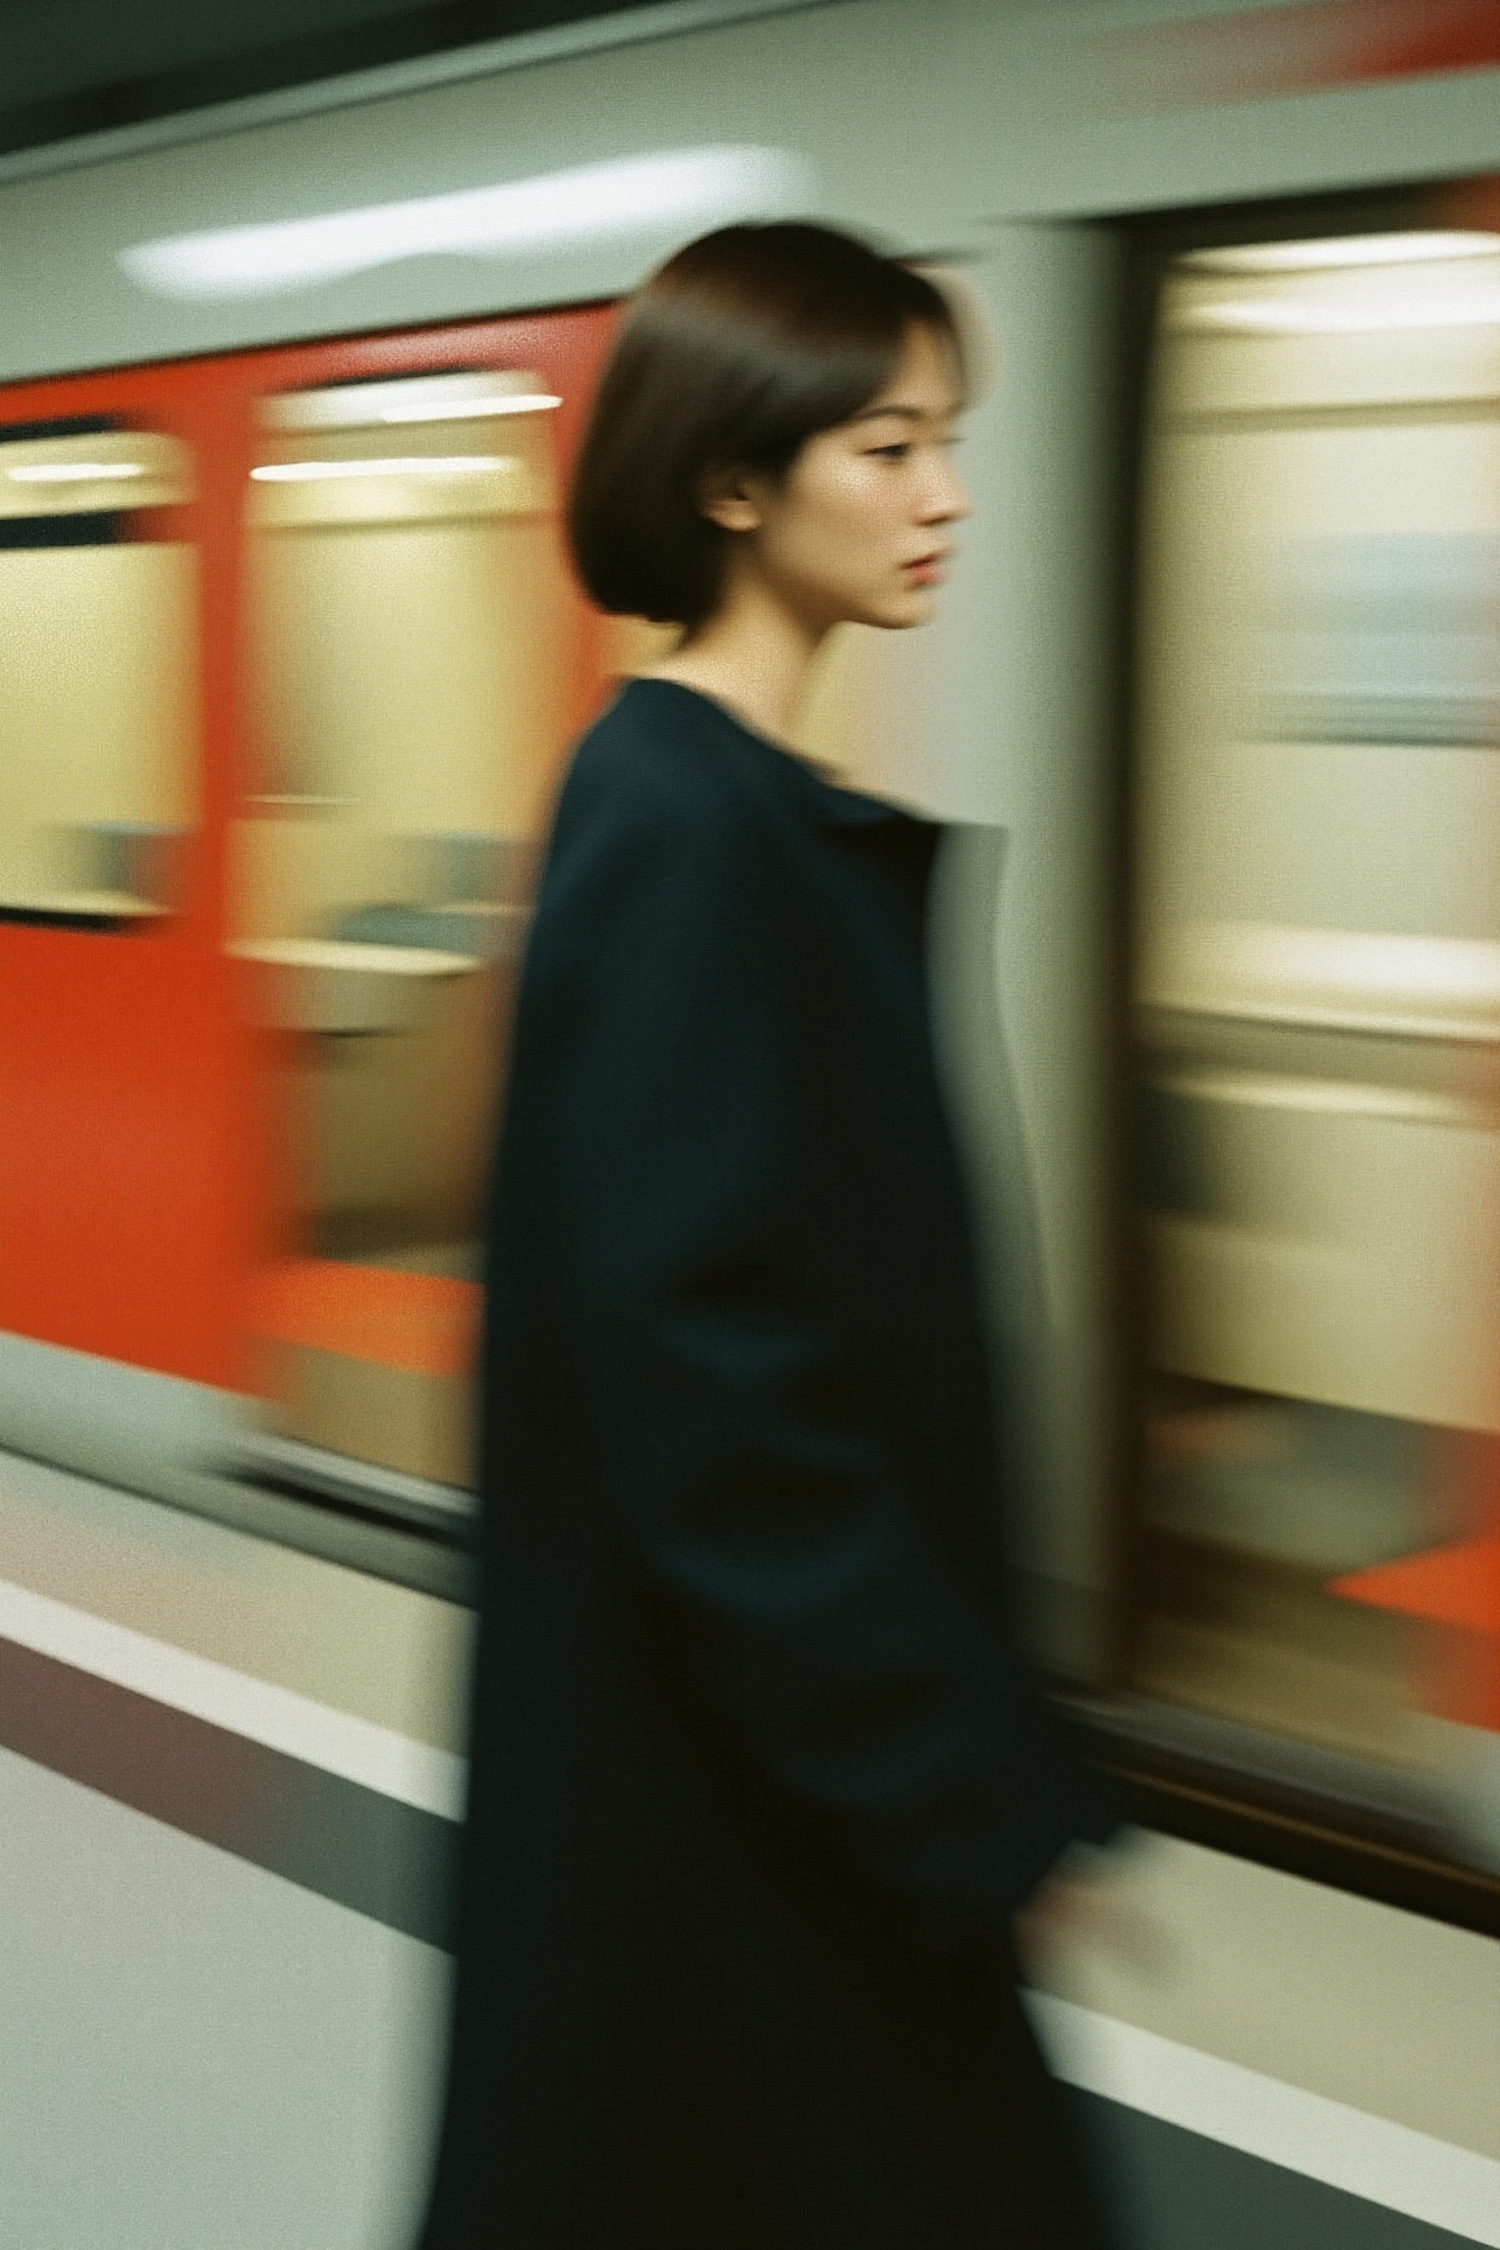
(908, 413)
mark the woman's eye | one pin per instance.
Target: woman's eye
(897, 452)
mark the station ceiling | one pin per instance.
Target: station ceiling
(70, 67)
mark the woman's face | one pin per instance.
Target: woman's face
(861, 529)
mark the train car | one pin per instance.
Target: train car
(290, 661)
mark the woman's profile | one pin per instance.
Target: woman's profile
(758, 1781)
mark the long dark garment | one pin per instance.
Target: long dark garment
(757, 1779)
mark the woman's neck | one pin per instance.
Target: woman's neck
(752, 655)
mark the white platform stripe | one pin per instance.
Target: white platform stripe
(1326, 2140)
(316, 1734)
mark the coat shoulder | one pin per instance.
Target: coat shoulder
(665, 840)
(667, 762)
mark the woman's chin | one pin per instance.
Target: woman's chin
(914, 605)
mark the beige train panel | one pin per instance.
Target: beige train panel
(420, 1424)
(1307, 832)
(98, 706)
(398, 1128)
(1360, 338)
(1327, 835)
(298, 872)
(1334, 888)
(1418, 988)
(338, 986)
(1344, 375)
(412, 402)
(477, 484)
(362, 1128)
(1255, 1642)
(413, 673)
(439, 472)
(1356, 1261)
(1235, 484)
(439, 468)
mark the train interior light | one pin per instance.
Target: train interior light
(83, 473)
(469, 394)
(1348, 250)
(393, 465)
(457, 410)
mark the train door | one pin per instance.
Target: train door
(418, 658)
(1317, 1002)
(118, 1087)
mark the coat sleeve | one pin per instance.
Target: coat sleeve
(666, 1083)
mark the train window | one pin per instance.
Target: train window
(97, 664)
(1317, 997)
(410, 622)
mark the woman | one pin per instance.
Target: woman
(758, 1784)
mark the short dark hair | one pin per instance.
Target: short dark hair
(738, 350)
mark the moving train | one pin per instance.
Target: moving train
(290, 661)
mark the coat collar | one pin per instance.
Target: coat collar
(846, 808)
(836, 807)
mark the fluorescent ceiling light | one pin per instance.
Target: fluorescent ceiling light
(470, 409)
(391, 465)
(1345, 250)
(74, 472)
(634, 195)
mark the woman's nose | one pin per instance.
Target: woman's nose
(946, 500)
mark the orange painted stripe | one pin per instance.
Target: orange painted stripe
(1457, 1585)
(422, 1323)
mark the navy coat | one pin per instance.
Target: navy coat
(758, 1780)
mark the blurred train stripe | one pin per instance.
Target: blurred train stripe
(1366, 2156)
(313, 1733)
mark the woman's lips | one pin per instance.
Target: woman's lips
(927, 570)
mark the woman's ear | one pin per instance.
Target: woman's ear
(727, 497)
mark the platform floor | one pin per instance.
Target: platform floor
(230, 1782)
(196, 2054)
